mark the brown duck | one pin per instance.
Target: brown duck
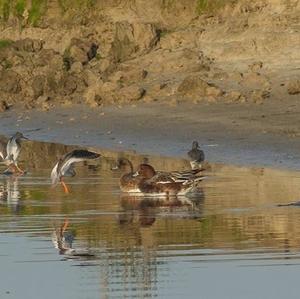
(174, 183)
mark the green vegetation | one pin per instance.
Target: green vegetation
(37, 9)
(5, 9)
(20, 8)
(4, 43)
(211, 5)
(19, 12)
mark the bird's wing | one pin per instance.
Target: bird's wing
(165, 182)
(80, 155)
(184, 176)
(54, 174)
(74, 157)
(196, 155)
(161, 178)
(12, 150)
(3, 149)
(63, 165)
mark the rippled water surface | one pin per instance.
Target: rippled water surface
(231, 242)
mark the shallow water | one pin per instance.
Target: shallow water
(231, 242)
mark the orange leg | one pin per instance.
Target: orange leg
(11, 168)
(65, 225)
(19, 169)
(66, 189)
(14, 168)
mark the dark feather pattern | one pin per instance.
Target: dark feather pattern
(128, 182)
(196, 154)
(164, 182)
(65, 164)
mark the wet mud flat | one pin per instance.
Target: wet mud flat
(97, 242)
(240, 134)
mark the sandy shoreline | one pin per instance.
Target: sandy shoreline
(240, 134)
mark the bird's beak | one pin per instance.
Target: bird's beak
(136, 174)
(116, 167)
(25, 138)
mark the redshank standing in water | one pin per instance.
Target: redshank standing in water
(10, 150)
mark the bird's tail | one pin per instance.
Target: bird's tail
(187, 176)
(194, 181)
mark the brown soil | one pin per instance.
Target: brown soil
(144, 51)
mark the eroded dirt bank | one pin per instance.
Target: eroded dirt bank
(151, 51)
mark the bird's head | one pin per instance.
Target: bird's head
(19, 136)
(145, 171)
(195, 145)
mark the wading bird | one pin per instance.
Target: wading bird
(10, 150)
(196, 155)
(65, 166)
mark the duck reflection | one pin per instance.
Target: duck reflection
(140, 221)
(62, 240)
(144, 210)
(9, 193)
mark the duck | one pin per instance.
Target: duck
(196, 156)
(174, 183)
(10, 151)
(65, 166)
(128, 182)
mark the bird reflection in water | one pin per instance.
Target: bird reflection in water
(62, 240)
(9, 193)
(145, 210)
